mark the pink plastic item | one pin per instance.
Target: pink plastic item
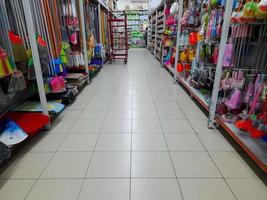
(75, 21)
(57, 84)
(170, 21)
(167, 11)
(228, 55)
(235, 100)
(73, 38)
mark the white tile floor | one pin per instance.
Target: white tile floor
(131, 134)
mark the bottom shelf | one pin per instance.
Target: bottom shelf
(201, 98)
(170, 69)
(255, 148)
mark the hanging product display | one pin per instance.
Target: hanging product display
(190, 23)
(169, 36)
(43, 55)
(97, 36)
(160, 26)
(152, 32)
(6, 64)
(225, 71)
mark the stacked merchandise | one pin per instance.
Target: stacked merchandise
(170, 34)
(160, 26)
(137, 22)
(151, 40)
(104, 33)
(149, 34)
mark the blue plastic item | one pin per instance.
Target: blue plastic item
(11, 134)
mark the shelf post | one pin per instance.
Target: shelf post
(218, 73)
(100, 26)
(179, 27)
(35, 55)
(156, 32)
(84, 39)
(164, 27)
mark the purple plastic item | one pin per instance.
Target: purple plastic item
(235, 100)
(96, 62)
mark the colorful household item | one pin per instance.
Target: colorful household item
(250, 9)
(180, 67)
(170, 20)
(235, 99)
(29, 122)
(184, 56)
(19, 51)
(174, 8)
(6, 64)
(228, 53)
(57, 84)
(17, 82)
(11, 134)
(34, 106)
(193, 39)
(262, 10)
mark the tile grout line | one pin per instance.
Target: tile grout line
(53, 155)
(173, 167)
(93, 152)
(222, 177)
(49, 161)
(131, 148)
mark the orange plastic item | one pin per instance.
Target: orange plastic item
(180, 67)
(188, 67)
(193, 38)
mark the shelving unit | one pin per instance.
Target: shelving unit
(196, 94)
(152, 32)
(255, 148)
(137, 22)
(39, 99)
(160, 26)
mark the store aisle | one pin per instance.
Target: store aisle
(132, 134)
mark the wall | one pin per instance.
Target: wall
(123, 3)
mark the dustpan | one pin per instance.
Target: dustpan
(6, 65)
(18, 48)
(17, 82)
(29, 122)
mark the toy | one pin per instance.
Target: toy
(250, 9)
